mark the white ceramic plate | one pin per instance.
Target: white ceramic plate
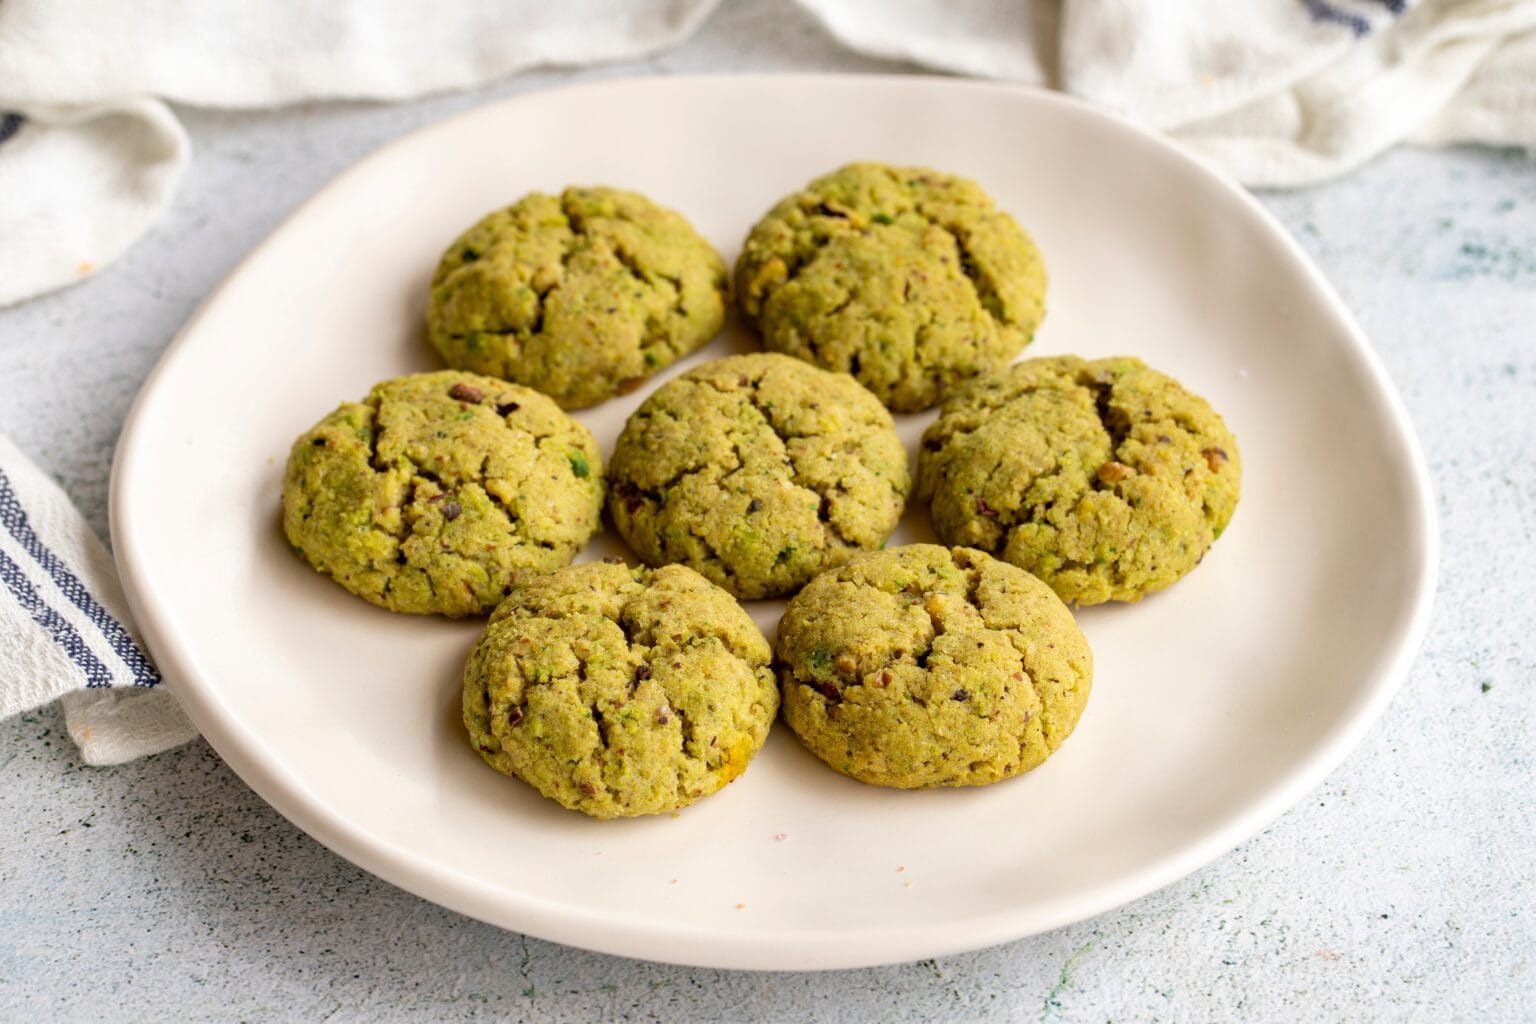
(1216, 704)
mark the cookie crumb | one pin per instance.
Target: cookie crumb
(780, 836)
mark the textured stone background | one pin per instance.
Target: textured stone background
(1403, 889)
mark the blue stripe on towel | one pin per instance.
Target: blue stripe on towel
(10, 124)
(96, 674)
(1324, 11)
(14, 519)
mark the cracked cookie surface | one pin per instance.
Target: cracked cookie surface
(759, 471)
(907, 278)
(580, 295)
(438, 490)
(924, 666)
(620, 691)
(1105, 478)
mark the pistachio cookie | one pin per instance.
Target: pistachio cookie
(438, 490)
(909, 279)
(924, 666)
(1103, 477)
(580, 295)
(617, 691)
(759, 471)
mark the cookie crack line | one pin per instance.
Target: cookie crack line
(500, 332)
(631, 263)
(604, 735)
(518, 335)
(582, 679)
(783, 438)
(935, 623)
(655, 332)
(714, 555)
(581, 238)
(375, 432)
(744, 407)
(737, 448)
(513, 519)
(985, 292)
(631, 639)
(980, 288)
(972, 574)
(656, 493)
(577, 222)
(828, 690)
(752, 396)
(1027, 675)
(686, 730)
(830, 526)
(1004, 518)
(1115, 425)
(814, 205)
(830, 529)
(680, 310)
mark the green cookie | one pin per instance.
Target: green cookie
(909, 279)
(1103, 477)
(759, 471)
(439, 490)
(580, 296)
(618, 691)
(922, 666)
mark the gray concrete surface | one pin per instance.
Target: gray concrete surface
(1404, 889)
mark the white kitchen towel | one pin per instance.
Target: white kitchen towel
(1276, 92)
(79, 185)
(64, 626)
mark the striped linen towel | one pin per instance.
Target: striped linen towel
(64, 626)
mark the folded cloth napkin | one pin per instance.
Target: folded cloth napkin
(64, 628)
(1276, 92)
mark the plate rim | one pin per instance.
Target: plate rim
(779, 949)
